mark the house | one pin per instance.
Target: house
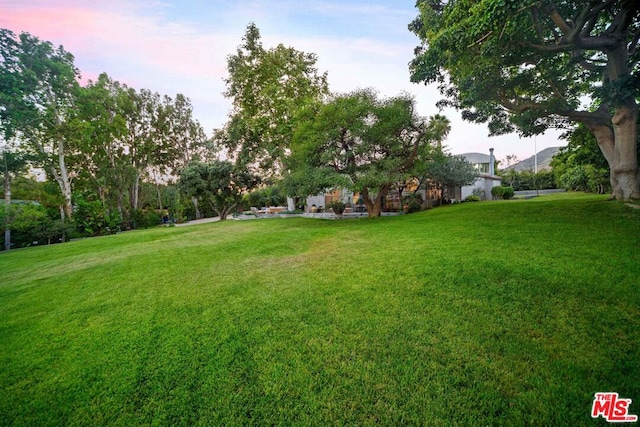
(486, 176)
(485, 181)
(319, 202)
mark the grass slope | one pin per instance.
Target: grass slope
(506, 313)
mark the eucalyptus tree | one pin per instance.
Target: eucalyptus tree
(187, 139)
(39, 86)
(134, 135)
(266, 87)
(102, 160)
(529, 65)
(179, 139)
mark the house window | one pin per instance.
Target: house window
(482, 167)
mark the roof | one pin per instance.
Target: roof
(476, 157)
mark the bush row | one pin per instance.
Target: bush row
(502, 192)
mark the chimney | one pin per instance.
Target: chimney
(492, 161)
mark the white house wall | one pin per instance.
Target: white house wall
(483, 183)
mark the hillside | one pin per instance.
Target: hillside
(544, 161)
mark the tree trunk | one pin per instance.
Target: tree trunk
(7, 203)
(606, 141)
(625, 155)
(159, 198)
(374, 207)
(625, 129)
(195, 204)
(63, 180)
(224, 213)
(135, 191)
(64, 236)
(120, 205)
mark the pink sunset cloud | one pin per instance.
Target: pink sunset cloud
(96, 35)
(181, 47)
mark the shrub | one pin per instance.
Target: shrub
(268, 196)
(527, 180)
(472, 198)
(585, 178)
(91, 218)
(338, 207)
(145, 218)
(30, 225)
(479, 192)
(497, 192)
(508, 193)
(413, 202)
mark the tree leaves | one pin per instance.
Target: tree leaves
(266, 88)
(527, 65)
(219, 183)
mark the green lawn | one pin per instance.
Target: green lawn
(493, 313)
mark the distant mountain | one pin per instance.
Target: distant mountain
(544, 161)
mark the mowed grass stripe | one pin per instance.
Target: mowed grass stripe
(490, 313)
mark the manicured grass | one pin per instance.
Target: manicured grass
(500, 313)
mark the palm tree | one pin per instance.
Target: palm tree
(440, 126)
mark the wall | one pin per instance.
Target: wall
(486, 183)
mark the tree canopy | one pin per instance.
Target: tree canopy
(218, 184)
(445, 172)
(529, 65)
(102, 139)
(39, 88)
(360, 142)
(266, 86)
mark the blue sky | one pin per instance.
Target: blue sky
(172, 46)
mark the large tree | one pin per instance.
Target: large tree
(102, 162)
(38, 86)
(529, 65)
(266, 87)
(219, 184)
(133, 135)
(360, 142)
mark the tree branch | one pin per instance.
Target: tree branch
(585, 64)
(551, 10)
(518, 106)
(588, 18)
(536, 23)
(600, 116)
(481, 39)
(634, 42)
(599, 43)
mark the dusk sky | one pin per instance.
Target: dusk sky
(181, 47)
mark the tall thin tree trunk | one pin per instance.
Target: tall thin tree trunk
(65, 184)
(62, 219)
(159, 198)
(7, 203)
(195, 203)
(135, 192)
